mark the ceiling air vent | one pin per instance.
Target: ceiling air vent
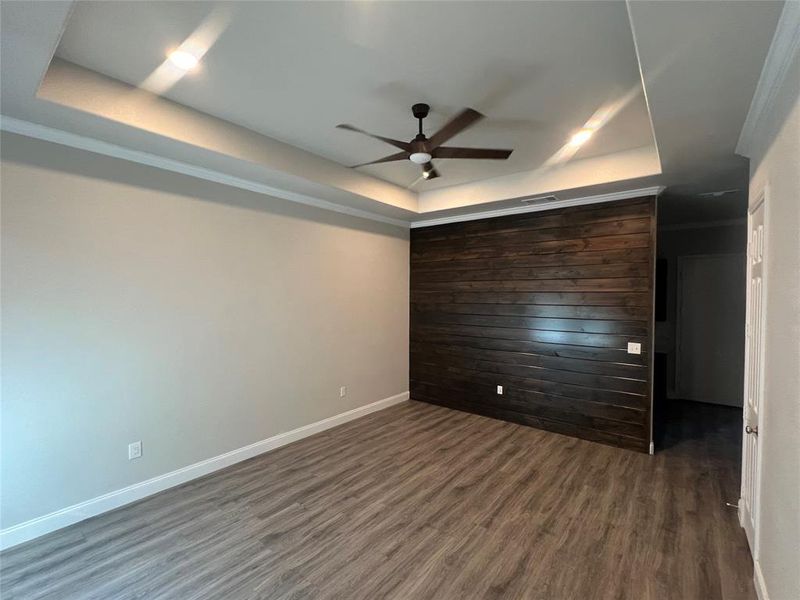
(539, 199)
(717, 194)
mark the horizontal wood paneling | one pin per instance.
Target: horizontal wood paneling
(543, 304)
(609, 242)
(552, 298)
(578, 258)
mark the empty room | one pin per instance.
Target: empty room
(408, 300)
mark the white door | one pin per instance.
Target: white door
(710, 328)
(753, 384)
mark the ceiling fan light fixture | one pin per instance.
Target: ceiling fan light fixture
(428, 172)
(420, 158)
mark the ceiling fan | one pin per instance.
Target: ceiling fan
(421, 149)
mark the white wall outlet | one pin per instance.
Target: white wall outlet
(634, 348)
(500, 390)
(135, 450)
(342, 391)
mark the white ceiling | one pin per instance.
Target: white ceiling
(675, 80)
(293, 70)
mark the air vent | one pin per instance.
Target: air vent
(717, 194)
(539, 199)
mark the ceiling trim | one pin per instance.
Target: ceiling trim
(785, 44)
(642, 79)
(515, 210)
(65, 138)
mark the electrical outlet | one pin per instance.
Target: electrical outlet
(342, 391)
(135, 450)
(500, 390)
(634, 348)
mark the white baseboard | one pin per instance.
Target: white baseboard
(39, 526)
(758, 581)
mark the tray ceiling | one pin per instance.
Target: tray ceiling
(293, 70)
(668, 84)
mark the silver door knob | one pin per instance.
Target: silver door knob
(749, 429)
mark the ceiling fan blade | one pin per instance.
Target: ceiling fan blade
(453, 152)
(396, 143)
(385, 159)
(457, 124)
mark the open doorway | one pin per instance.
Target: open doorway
(700, 323)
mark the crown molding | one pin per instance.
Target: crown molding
(73, 140)
(515, 210)
(784, 46)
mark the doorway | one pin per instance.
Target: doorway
(700, 319)
(710, 337)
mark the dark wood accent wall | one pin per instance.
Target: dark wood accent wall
(543, 304)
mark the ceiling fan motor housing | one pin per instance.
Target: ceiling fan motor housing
(420, 110)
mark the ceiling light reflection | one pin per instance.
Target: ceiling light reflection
(183, 60)
(186, 57)
(581, 137)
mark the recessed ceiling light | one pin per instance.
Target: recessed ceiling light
(581, 137)
(183, 60)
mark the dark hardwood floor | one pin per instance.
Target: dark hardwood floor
(419, 501)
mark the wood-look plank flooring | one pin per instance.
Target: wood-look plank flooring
(422, 502)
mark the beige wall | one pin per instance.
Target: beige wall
(143, 305)
(775, 163)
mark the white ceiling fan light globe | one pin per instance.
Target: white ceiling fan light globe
(420, 158)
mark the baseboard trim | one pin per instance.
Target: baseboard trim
(59, 519)
(758, 581)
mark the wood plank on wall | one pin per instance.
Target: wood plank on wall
(543, 304)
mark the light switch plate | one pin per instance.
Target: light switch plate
(634, 348)
(500, 390)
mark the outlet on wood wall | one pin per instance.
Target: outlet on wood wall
(543, 304)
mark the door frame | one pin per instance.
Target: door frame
(761, 200)
(679, 303)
